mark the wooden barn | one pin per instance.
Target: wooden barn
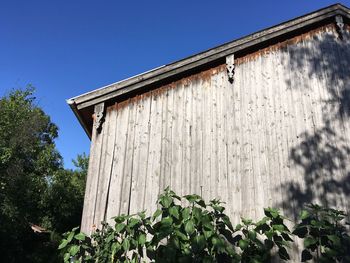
(260, 121)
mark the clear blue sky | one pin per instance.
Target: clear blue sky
(66, 48)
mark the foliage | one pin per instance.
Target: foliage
(258, 239)
(27, 158)
(34, 186)
(325, 236)
(65, 196)
(196, 232)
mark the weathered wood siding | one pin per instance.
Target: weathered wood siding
(278, 136)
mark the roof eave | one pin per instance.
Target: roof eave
(76, 112)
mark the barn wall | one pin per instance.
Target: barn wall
(278, 136)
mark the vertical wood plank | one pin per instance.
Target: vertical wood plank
(87, 224)
(128, 160)
(106, 167)
(140, 159)
(195, 139)
(214, 139)
(187, 135)
(206, 138)
(177, 139)
(168, 139)
(117, 173)
(154, 165)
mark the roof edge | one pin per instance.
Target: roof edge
(162, 73)
(75, 110)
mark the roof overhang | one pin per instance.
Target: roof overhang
(83, 105)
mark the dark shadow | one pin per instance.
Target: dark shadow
(322, 154)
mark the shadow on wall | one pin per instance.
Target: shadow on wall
(323, 154)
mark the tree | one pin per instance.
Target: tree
(65, 196)
(35, 189)
(28, 157)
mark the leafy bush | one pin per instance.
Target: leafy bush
(197, 232)
(260, 238)
(202, 232)
(325, 236)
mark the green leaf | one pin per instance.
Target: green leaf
(66, 257)
(109, 238)
(304, 214)
(80, 236)
(186, 213)
(70, 236)
(75, 229)
(174, 211)
(166, 201)
(243, 244)
(197, 213)
(252, 235)
(269, 234)
(208, 226)
(309, 241)
(214, 241)
(133, 222)
(120, 219)
(271, 212)
(238, 227)
(73, 250)
(262, 221)
(189, 227)
(207, 233)
(317, 223)
(279, 228)
(181, 235)
(157, 213)
(63, 244)
(166, 221)
(142, 215)
(335, 239)
(87, 258)
(126, 244)
(142, 239)
(230, 250)
(199, 242)
(247, 221)
(119, 227)
(115, 247)
(192, 198)
(218, 208)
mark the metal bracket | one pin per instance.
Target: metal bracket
(340, 25)
(99, 111)
(230, 67)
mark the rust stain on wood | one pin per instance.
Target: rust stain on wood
(281, 45)
(203, 76)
